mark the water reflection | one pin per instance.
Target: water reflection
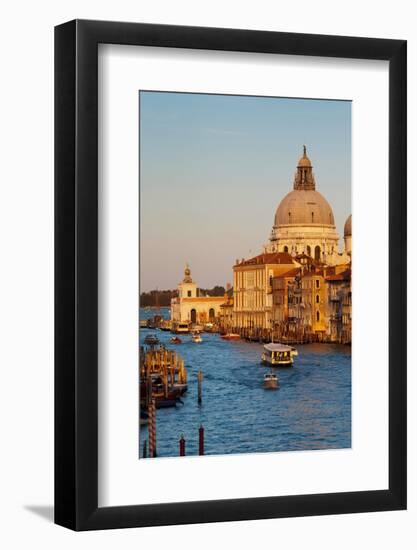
(311, 410)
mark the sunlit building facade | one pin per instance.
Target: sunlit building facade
(190, 307)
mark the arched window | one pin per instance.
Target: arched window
(318, 315)
(211, 314)
(317, 253)
(285, 248)
(193, 316)
(317, 299)
(308, 250)
(289, 217)
(312, 217)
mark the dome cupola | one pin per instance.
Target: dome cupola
(348, 227)
(304, 221)
(304, 178)
(304, 205)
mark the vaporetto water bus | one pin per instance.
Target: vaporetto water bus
(180, 327)
(279, 355)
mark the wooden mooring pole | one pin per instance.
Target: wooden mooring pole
(182, 445)
(201, 440)
(152, 428)
(200, 386)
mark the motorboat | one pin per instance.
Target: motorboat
(196, 338)
(176, 340)
(230, 336)
(151, 340)
(271, 381)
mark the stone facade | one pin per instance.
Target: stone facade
(192, 308)
(252, 288)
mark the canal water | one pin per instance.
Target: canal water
(310, 410)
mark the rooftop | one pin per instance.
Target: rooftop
(268, 258)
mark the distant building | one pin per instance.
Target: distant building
(192, 308)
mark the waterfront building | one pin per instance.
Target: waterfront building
(299, 302)
(304, 221)
(339, 299)
(284, 296)
(190, 307)
(313, 314)
(313, 302)
(226, 311)
(252, 288)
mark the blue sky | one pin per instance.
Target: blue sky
(214, 168)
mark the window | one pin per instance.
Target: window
(317, 298)
(318, 315)
(308, 250)
(189, 293)
(312, 217)
(193, 315)
(317, 253)
(285, 248)
(317, 283)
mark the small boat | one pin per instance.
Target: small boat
(151, 340)
(143, 323)
(271, 381)
(166, 325)
(180, 327)
(196, 338)
(179, 388)
(176, 340)
(230, 336)
(279, 355)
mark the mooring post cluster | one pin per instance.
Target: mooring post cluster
(200, 442)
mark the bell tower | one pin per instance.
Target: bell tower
(187, 288)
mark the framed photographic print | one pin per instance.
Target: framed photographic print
(230, 275)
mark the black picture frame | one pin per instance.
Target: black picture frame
(76, 272)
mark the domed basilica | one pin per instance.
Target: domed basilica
(304, 222)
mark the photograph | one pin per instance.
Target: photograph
(245, 316)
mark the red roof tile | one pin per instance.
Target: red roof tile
(269, 258)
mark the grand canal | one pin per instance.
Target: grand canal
(311, 409)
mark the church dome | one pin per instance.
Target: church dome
(348, 227)
(304, 207)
